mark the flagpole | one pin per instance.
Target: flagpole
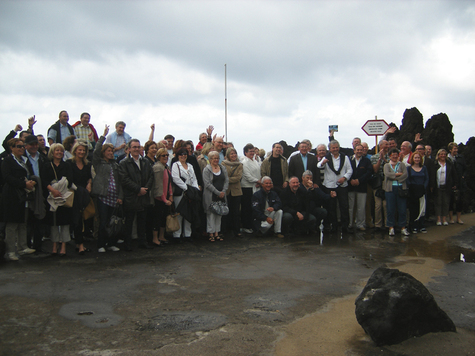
(225, 104)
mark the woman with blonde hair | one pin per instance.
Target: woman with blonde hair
(216, 183)
(59, 217)
(163, 196)
(203, 160)
(82, 178)
(446, 181)
(417, 182)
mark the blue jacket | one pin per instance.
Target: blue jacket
(259, 203)
(362, 173)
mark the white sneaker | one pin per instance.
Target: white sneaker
(101, 250)
(248, 231)
(391, 231)
(120, 241)
(405, 232)
(26, 251)
(12, 256)
(113, 248)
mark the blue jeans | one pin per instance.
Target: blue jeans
(395, 203)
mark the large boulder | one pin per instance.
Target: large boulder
(412, 123)
(394, 306)
(438, 132)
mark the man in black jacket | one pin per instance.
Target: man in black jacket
(136, 178)
(302, 162)
(295, 204)
(60, 129)
(267, 209)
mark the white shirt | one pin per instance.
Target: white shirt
(330, 178)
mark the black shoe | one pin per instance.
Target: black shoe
(126, 248)
(154, 244)
(146, 246)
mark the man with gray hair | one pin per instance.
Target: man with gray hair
(302, 161)
(119, 139)
(318, 199)
(267, 209)
(406, 152)
(338, 172)
(295, 205)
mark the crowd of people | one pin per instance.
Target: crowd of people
(110, 188)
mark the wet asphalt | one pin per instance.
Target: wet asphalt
(198, 297)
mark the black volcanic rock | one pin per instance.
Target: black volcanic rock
(394, 307)
(412, 123)
(438, 132)
(287, 149)
(469, 156)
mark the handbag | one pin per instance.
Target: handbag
(375, 181)
(172, 223)
(219, 208)
(69, 200)
(90, 210)
(116, 222)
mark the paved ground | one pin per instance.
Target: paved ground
(236, 297)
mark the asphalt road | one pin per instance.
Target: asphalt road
(196, 298)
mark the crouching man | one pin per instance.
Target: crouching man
(267, 209)
(296, 205)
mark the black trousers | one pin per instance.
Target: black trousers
(130, 215)
(342, 199)
(246, 208)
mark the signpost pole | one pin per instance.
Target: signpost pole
(376, 138)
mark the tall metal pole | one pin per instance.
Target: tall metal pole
(225, 104)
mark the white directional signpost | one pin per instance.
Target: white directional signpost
(375, 128)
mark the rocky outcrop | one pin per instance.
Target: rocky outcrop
(394, 306)
(412, 123)
(438, 132)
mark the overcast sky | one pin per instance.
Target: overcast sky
(293, 67)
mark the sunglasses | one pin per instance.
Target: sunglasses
(167, 155)
(183, 154)
(20, 146)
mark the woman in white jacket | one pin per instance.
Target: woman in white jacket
(182, 174)
(250, 183)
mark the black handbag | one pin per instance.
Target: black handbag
(375, 181)
(219, 208)
(116, 222)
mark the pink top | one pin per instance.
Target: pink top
(166, 180)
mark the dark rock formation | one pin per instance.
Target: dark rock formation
(288, 149)
(468, 153)
(394, 306)
(412, 123)
(438, 132)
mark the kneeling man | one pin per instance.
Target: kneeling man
(267, 209)
(295, 204)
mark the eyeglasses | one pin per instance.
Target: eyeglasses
(135, 147)
(19, 146)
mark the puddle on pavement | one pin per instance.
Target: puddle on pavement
(460, 247)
